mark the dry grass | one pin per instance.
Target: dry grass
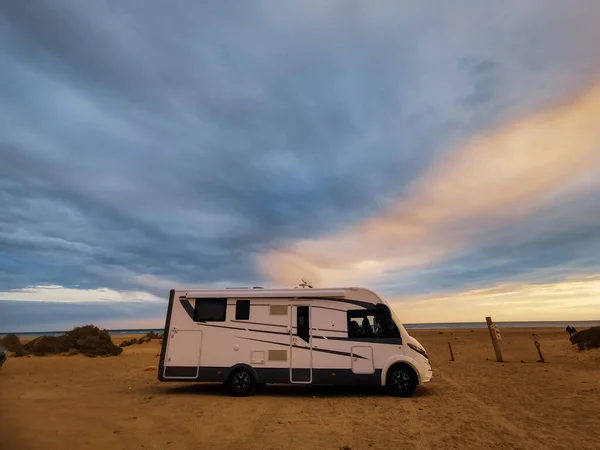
(145, 338)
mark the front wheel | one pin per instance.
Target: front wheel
(242, 383)
(401, 381)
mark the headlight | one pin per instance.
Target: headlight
(418, 350)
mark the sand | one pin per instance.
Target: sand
(74, 402)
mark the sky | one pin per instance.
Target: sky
(445, 155)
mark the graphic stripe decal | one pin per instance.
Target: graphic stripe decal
(244, 329)
(285, 326)
(327, 307)
(189, 309)
(163, 348)
(372, 340)
(259, 323)
(366, 305)
(331, 352)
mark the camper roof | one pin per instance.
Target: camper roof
(349, 293)
(262, 293)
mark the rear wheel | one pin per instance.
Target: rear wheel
(402, 381)
(241, 383)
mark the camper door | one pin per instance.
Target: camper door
(300, 344)
(183, 354)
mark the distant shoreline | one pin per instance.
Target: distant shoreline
(408, 326)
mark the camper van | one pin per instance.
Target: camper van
(249, 337)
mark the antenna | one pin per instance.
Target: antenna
(304, 284)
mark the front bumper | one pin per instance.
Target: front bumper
(427, 376)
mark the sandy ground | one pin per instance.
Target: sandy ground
(74, 402)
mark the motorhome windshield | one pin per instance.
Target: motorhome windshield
(397, 321)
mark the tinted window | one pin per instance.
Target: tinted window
(371, 323)
(303, 322)
(242, 310)
(210, 309)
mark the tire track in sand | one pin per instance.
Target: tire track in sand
(260, 427)
(495, 417)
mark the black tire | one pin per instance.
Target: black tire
(241, 383)
(401, 381)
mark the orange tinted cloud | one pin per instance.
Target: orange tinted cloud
(574, 299)
(491, 179)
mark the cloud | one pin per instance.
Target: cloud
(27, 316)
(147, 147)
(492, 180)
(568, 299)
(66, 295)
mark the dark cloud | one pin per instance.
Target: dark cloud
(179, 141)
(24, 316)
(484, 79)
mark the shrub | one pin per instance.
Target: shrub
(20, 352)
(12, 343)
(148, 337)
(128, 342)
(45, 345)
(91, 341)
(587, 339)
(88, 340)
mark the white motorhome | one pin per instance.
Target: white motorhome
(250, 337)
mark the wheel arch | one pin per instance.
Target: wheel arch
(397, 362)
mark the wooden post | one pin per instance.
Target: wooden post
(451, 354)
(539, 349)
(495, 342)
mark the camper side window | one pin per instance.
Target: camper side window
(242, 310)
(210, 310)
(371, 324)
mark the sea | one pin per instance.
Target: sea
(578, 324)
